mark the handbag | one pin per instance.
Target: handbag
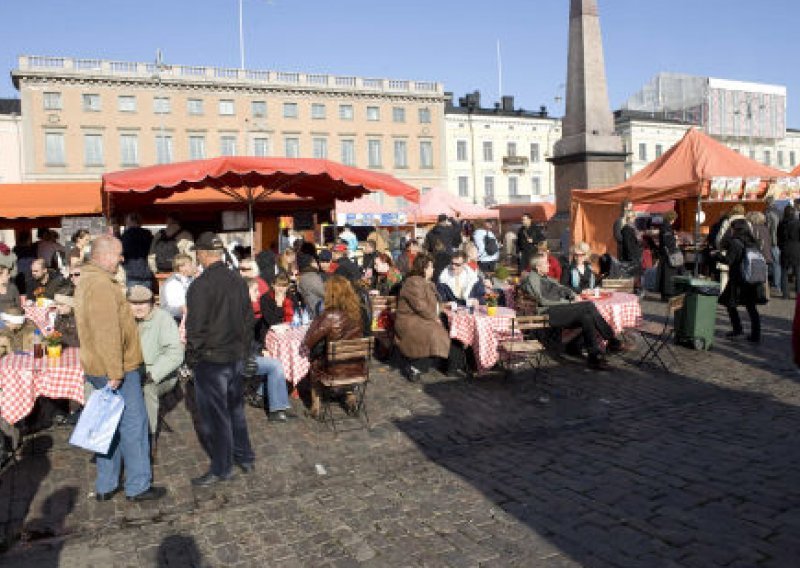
(98, 422)
(676, 259)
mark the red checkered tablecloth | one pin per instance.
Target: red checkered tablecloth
(481, 332)
(23, 379)
(620, 310)
(286, 345)
(44, 318)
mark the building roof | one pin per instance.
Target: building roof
(10, 106)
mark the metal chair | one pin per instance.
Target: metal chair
(656, 336)
(347, 351)
(517, 349)
(384, 307)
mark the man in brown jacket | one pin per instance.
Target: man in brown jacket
(111, 355)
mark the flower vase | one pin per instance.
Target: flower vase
(54, 351)
(491, 310)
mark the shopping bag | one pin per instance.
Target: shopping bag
(98, 422)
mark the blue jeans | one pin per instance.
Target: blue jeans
(130, 443)
(776, 267)
(277, 393)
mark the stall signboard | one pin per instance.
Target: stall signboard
(717, 189)
(372, 219)
(751, 187)
(95, 225)
(733, 188)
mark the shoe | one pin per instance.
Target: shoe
(208, 479)
(247, 467)
(615, 346)
(754, 338)
(256, 401)
(152, 494)
(73, 418)
(732, 334)
(277, 416)
(412, 374)
(597, 363)
(107, 496)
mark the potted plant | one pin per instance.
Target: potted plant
(491, 303)
(53, 343)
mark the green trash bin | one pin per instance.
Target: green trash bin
(695, 324)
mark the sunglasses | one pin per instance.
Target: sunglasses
(75, 274)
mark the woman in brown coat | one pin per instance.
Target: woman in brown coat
(340, 319)
(418, 330)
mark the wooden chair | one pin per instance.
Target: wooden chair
(525, 344)
(384, 307)
(657, 336)
(347, 351)
(626, 285)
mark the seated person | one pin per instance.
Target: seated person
(579, 276)
(18, 333)
(558, 302)
(341, 318)
(173, 292)
(368, 258)
(65, 320)
(162, 350)
(553, 265)
(310, 283)
(280, 309)
(406, 259)
(45, 282)
(459, 283)
(344, 265)
(250, 271)
(386, 279)
(9, 295)
(419, 333)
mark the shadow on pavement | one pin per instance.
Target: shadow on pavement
(179, 551)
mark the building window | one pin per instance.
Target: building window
(425, 154)
(374, 153)
(488, 187)
(93, 149)
(659, 150)
(461, 150)
(320, 148)
(463, 186)
(52, 101)
(129, 149)
(398, 114)
(227, 145)
(197, 147)
(54, 149)
(317, 111)
(163, 149)
(768, 157)
(511, 149)
(161, 105)
(126, 103)
(346, 112)
(424, 116)
(488, 152)
(779, 156)
(291, 147)
(258, 108)
(752, 154)
(536, 185)
(373, 113)
(226, 107)
(513, 188)
(400, 154)
(348, 152)
(792, 158)
(194, 106)
(642, 152)
(91, 102)
(261, 147)
(289, 110)
(535, 155)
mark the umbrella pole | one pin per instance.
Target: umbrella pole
(250, 223)
(697, 233)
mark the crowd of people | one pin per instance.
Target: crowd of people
(208, 320)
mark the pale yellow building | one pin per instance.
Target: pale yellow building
(84, 117)
(11, 158)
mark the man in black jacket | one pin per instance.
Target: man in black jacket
(219, 331)
(528, 238)
(447, 231)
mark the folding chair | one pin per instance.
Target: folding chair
(626, 285)
(384, 308)
(656, 337)
(347, 351)
(516, 348)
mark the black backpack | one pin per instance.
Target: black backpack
(166, 248)
(490, 244)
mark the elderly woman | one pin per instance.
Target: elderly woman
(65, 320)
(341, 318)
(578, 275)
(386, 278)
(419, 332)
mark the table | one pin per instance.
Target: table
(286, 345)
(44, 318)
(23, 379)
(481, 332)
(620, 310)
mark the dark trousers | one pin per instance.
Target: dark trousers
(755, 320)
(222, 427)
(583, 315)
(795, 269)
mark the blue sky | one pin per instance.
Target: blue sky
(452, 41)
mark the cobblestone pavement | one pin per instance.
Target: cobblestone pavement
(624, 468)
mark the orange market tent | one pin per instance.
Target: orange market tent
(438, 201)
(796, 172)
(54, 200)
(683, 173)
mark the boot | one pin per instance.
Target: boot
(316, 401)
(350, 403)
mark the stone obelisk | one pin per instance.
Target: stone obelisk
(589, 154)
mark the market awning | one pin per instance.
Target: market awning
(61, 199)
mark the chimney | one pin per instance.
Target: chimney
(508, 103)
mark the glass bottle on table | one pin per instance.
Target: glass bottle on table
(38, 346)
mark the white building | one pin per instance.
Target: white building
(11, 158)
(499, 155)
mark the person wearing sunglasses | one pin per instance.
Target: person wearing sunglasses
(459, 283)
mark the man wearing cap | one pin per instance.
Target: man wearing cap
(219, 328)
(111, 355)
(162, 350)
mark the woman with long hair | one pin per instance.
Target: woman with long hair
(386, 278)
(341, 318)
(287, 264)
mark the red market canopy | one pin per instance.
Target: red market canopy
(796, 172)
(439, 200)
(37, 200)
